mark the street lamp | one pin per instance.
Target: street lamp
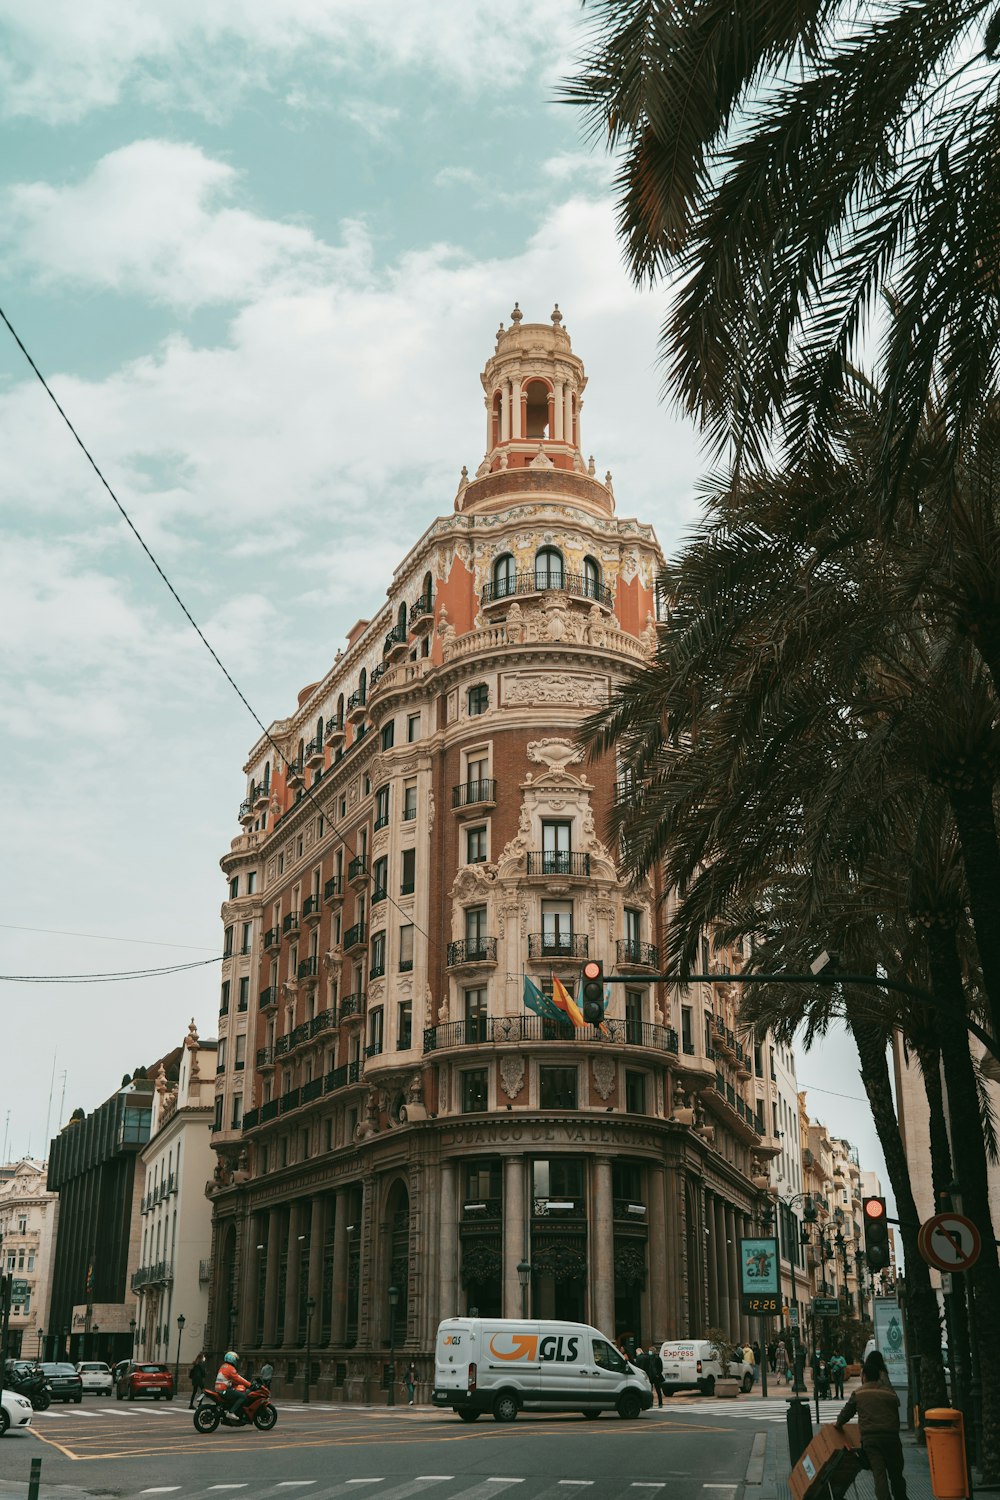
(95, 1330)
(524, 1277)
(232, 1325)
(38, 1351)
(131, 1330)
(393, 1300)
(65, 1343)
(310, 1309)
(177, 1363)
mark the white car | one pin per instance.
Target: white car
(95, 1376)
(15, 1411)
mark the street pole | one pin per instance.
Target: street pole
(177, 1364)
(310, 1309)
(393, 1299)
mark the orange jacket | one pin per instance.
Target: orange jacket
(229, 1378)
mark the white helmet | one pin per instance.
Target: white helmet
(232, 1358)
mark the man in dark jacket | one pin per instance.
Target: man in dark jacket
(876, 1406)
(654, 1369)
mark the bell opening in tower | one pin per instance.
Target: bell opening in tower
(537, 412)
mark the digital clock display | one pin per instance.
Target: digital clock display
(761, 1304)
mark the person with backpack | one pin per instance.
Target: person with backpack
(196, 1375)
(655, 1371)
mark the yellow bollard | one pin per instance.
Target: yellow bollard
(945, 1431)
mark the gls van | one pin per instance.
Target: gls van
(504, 1365)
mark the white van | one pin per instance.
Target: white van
(502, 1365)
(694, 1365)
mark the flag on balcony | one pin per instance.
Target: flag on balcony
(562, 997)
(540, 1003)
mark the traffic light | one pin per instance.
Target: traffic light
(876, 1233)
(591, 997)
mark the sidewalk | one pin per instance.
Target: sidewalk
(776, 1470)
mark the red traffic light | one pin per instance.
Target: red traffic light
(874, 1208)
(592, 969)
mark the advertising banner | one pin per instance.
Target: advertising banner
(759, 1268)
(890, 1341)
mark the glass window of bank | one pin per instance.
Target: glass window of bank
(558, 1257)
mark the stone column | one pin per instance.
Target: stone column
(656, 1248)
(246, 1297)
(711, 1251)
(515, 1247)
(317, 1233)
(602, 1249)
(338, 1319)
(295, 1220)
(505, 413)
(271, 1277)
(448, 1304)
(735, 1315)
(516, 427)
(568, 416)
(720, 1251)
(559, 413)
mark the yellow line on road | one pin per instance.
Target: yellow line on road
(51, 1443)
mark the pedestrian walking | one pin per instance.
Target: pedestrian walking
(772, 1357)
(876, 1406)
(838, 1364)
(781, 1360)
(410, 1380)
(196, 1375)
(655, 1372)
(755, 1348)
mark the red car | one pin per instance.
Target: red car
(139, 1379)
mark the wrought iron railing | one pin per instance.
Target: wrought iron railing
(472, 793)
(633, 954)
(482, 950)
(544, 580)
(501, 1030)
(558, 862)
(557, 945)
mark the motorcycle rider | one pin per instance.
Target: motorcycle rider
(231, 1387)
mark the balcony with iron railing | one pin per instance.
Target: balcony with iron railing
(379, 893)
(325, 1021)
(272, 937)
(159, 1273)
(356, 707)
(481, 950)
(558, 946)
(312, 1090)
(420, 617)
(631, 954)
(469, 795)
(377, 967)
(355, 937)
(382, 821)
(269, 1110)
(498, 1031)
(542, 581)
(261, 794)
(342, 1077)
(312, 908)
(290, 924)
(335, 732)
(357, 870)
(308, 968)
(289, 1100)
(314, 751)
(332, 891)
(564, 862)
(352, 1006)
(374, 1049)
(395, 641)
(268, 997)
(246, 810)
(265, 1057)
(296, 773)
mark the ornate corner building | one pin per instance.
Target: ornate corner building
(420, 836)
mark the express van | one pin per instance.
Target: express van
(506, 1365)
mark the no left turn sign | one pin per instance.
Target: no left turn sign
(950, 1242)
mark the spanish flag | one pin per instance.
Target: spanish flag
(562, 997)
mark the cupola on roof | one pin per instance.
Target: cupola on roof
(533, 385)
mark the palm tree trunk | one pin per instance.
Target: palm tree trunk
(970, 1151)
(921, 1297)
(972, 808)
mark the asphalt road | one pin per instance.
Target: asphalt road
(338, 1453)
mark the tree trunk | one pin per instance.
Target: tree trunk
(921, 1297)
(972, 808)
(970, 1151)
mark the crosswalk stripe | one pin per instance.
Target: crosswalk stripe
(293, 1484)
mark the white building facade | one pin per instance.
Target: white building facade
(28, 1218)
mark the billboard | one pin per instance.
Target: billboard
(759, 1268)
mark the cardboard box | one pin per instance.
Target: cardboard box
(832, 1459)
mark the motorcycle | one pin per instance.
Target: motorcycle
(29, 1381)
(211, 1413)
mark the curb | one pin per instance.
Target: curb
(755, 1466)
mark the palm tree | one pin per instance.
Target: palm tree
(822, 181)
(811, 758)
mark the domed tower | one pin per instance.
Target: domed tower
(533, 386)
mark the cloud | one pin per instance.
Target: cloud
(156, 218)
(63, 60)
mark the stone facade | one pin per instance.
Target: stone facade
(420, 836)
(172, 1277)
(28, 1217)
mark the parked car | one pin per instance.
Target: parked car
(141, 1379)
(96, 1376)
(63, 1381)
(15, 1411)
(694, 1365)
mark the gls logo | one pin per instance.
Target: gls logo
(453, 1338)
(554, 1348)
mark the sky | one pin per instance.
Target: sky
(260, 253)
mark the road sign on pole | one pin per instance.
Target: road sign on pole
(949, 1242)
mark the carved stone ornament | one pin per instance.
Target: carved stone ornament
(555, 754)
(555, 687)
(511, 1074)
(604, 1075)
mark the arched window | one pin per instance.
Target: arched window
(363, 685)
(319, 728)
(267, 774)
(537, 409)
(591, 578)
(340, 712)
(427, 592)
(548, 568)
(401, 618)
(300, 752)
(504, 576)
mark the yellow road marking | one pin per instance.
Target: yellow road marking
(51, 1443)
